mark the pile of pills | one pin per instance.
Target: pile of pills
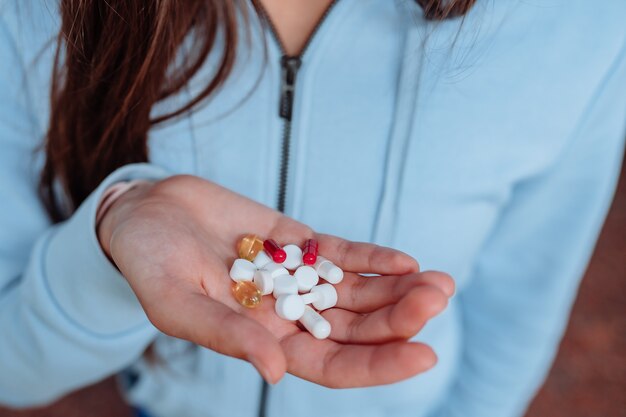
(263, 268)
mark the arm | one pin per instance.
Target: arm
(67, 316)
(516, 307)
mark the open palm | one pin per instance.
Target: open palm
(175, 241)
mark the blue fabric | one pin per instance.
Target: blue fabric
(488, 149)
(140, 413)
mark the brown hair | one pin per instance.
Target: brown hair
(115, 59)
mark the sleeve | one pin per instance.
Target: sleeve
(516, 306)
(67, 316)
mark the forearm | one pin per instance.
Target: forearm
(67, 316)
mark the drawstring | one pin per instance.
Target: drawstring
(397, 148)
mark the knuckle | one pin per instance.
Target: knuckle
(355, 326)
(308, 232)
(343, 251)
(357, 290)
(288, 229)
(327, 366)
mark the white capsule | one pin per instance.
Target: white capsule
(322, 296)
(242, 270)
(262, 259)
(294, 257)
(289, 307)
(306, 277)
(285, 285)
(275, 269)
(328, 270)
(264, 281)
(317, 325)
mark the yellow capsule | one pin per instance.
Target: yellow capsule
(249, 246)
(247, 294)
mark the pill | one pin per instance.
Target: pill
(247, 294)
(289, 307)
(249, 246)
(242, 270)
(275, 252)
(261, 259)
(294, 257)
(264, 281)
(310, 252)
(317, 325)
(306, 277)
(322, 296)
(275, 269)
(285, 285)
(328, 270)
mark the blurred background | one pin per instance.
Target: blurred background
(588, 378)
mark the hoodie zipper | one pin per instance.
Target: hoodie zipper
(289, 64)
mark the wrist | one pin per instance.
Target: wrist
(114, 204)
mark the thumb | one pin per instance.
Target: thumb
(195, 317)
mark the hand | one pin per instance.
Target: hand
(174, 241)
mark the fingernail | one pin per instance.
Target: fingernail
(265, 373)
(449, 292)
(452, 292)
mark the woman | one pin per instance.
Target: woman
(483, 139)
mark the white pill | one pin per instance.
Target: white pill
(275, 269)
(328, 270)
(264, 281)
(285, 285)
(294, 257)
(289, 307)
(262, 259)
(317, 325)
(322, 296)
(306, 277)
(242, 270)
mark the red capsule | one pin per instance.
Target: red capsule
(275, 252)
(309, 254)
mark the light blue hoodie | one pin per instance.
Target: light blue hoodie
(489, 150)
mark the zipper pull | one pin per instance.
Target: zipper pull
(290, 66)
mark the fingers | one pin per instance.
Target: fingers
(366, 257)
(202, 320)
(401, 320)
(365, 294)
(347, 366)
(350, 256)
